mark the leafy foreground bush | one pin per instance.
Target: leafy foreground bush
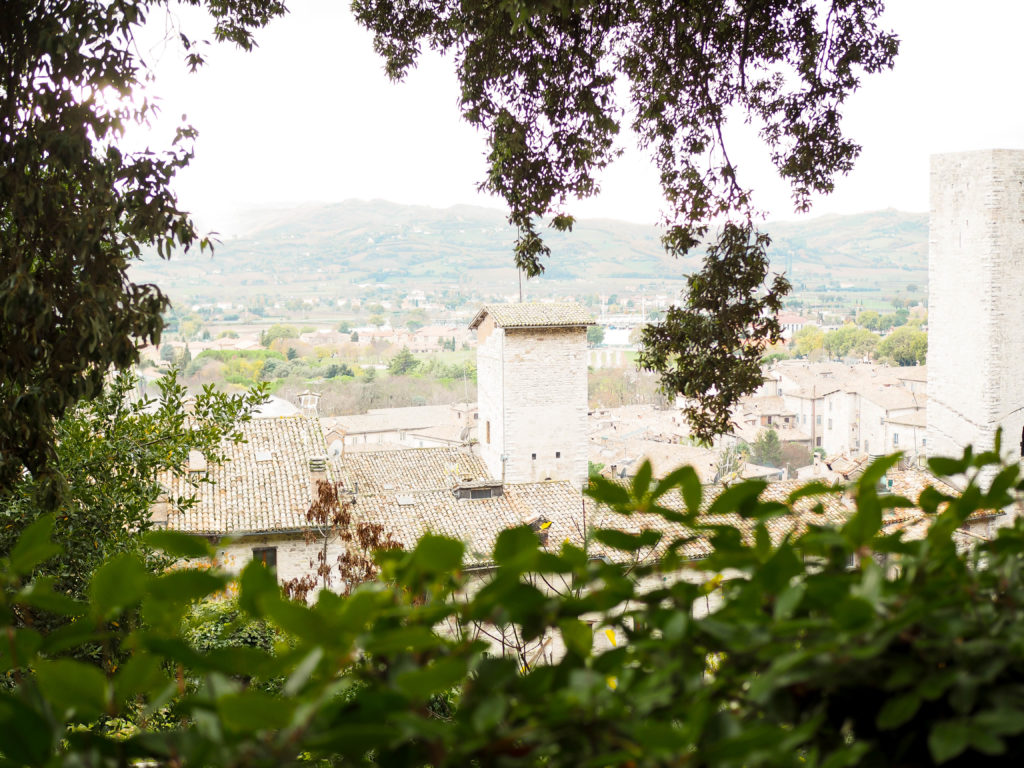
(808, 661)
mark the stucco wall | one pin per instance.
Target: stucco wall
(976, 309)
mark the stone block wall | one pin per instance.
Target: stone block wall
(976, 301)
(544, 375)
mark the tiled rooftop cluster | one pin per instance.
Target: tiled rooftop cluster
(263, 486)
(534, 315)
(885, 386)
(417, 469)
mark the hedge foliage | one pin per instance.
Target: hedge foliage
(834, 647)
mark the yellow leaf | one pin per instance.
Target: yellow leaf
(610, 634)
(545, 526)
(613, 682)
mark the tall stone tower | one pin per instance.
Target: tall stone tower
(532, 391)
(976, 302)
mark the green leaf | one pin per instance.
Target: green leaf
(1005, 722)
(693, 491)
(178, 544)
(75, 690)
(788, 600)
(943, 466)
(439, 554)
(187, 584)
(26, 738)
(947, 739)
(897, 710)
(256, 585)
(40, 594)
(19, 647)
(577, 636)
(866, 521)
(627, 542)
(740, 499)
(642, 480)
(251, 711)
(877, 469)
(117, 584)
(422, 682)
(489, 713)
(516, 548)
(678, 477)
(142, 673)
(607, 492)
(34, 545)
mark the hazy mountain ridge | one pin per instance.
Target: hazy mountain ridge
(384, 241)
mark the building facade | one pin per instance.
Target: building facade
(532, 391)
(975, 305)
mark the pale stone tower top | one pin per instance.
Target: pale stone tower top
(532, 391)
(976, 301)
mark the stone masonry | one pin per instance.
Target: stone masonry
(976, 301)
(532, 392)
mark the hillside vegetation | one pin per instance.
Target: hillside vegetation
(377, 241)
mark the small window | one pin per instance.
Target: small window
(817, 442)
(924, 441)
(817, 419)
(558, 454)
(480, 493)
(533, 456)
(266, 555)
(488, 433)
(895, 438)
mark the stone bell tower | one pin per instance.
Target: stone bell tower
(976, 302)
(532, 391)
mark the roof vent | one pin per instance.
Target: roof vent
(263, 456)
(405, 499)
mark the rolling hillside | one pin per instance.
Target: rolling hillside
(377, 241)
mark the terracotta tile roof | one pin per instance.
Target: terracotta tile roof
(263, 486)
(476, 522)
(534, 315)
(415, 469)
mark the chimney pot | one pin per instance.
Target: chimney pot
(317, 475)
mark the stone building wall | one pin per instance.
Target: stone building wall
(293, 554)
(490, 395)
(976, 301)
(544, 376)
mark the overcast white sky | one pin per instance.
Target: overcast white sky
(310, 117)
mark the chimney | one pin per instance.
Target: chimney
(317, 475)
(309, 402)
(160, 511)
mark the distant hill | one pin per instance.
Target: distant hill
(379, 241)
